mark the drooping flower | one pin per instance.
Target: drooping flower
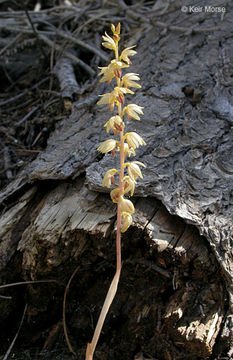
(128, 80)
(129, 185)
(134, 170)
(115, 195)
(134, 140)
(115, 124)
(112, 98)
(133, 110)
(108, 179)
(109, 43)
(128, 151)
(126, 221)
(107, 146)
(120, 92)
(105, 99)
(126, 53)
(126, 205)
(113, 69)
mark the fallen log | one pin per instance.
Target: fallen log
(175, 294)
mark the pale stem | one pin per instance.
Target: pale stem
(107, 303)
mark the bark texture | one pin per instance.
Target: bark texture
(184, 306)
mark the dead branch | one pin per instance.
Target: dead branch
(16, 335)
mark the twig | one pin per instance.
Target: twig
(16, 107)
(7, 163)
(72, 57)
(21, 13)
(16, 335)
(17, 97)
(15, 40)
(27, 282)
(27, 152)
(5, 297)
(64, 312)
(85, 45)
(35, 32)
(27, 116)
(155, 267)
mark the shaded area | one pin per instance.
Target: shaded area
(171, 299)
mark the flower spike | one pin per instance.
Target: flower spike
(126, 143)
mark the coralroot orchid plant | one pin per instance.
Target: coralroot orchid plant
(125, 145)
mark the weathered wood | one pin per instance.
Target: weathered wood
(187, 125)
(69, 221)
(64, 71)
(11, 227)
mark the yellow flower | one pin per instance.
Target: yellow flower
(126, 206)
(109, 43)
(108, 179)
(134, 140)
(115, 195)
(107, 145)
(126, 53)
(108, 98)
(117, 95)
(128, 151)
(105, 99)
(115, 124)
(134, 170)
(126, 221)
(128, 80)
(133, 110)
(113, 69)
(129, 185)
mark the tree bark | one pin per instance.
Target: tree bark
(175, 296)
